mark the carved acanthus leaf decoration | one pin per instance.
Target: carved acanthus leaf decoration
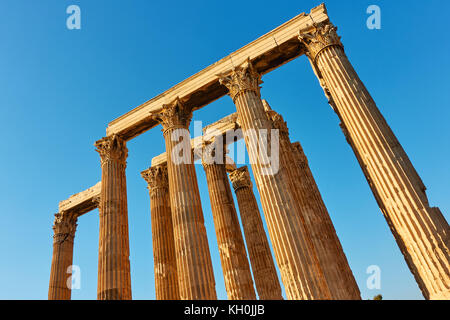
(241, 79)
(64, 227)
(319, 37)
(112, 148)
(174, 115)
(213, 153)
(240, 178)
(156, 177)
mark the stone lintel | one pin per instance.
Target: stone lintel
(266, 53)
(82, 202)
(220, 127)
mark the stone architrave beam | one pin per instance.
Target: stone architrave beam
(220, 127)
(82, 202)
(266, 53)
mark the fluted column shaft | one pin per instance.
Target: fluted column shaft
(233, 257)
(114, 281)
(194, 266)
(332, 259)
(164, 260)
(263, 267)
(421, 231)
(334, 263)
(294, 252)
(64, 233)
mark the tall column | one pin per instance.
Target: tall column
(264, 273)
(233, 257)
(421, 231)
(166, 278)
(194, 266)
(294, 252)
(64, 228)
(332, 259)
(114, 250)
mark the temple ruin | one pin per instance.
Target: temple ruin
(307, 251)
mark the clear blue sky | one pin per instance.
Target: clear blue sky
(59, 88)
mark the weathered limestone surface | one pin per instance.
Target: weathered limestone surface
(165, 263)
(114, 250)
(194, 266)
(342, 283)
(421, 231)
(233, 257)
(82, 202)
(294, 252)
(64, 228)
(264, 272)
(333, 262)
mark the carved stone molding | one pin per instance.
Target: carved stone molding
(241, 79)
(213, 153)
(279, 123)
(112, 148)
(318, 38)
(174, 115)
(276, 119)
(300, 155)
(240, 178)
(156, 177)
(64, 227)
(208, 155)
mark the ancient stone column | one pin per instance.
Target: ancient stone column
(294, 252)
(114, 250)
(233, 257)
(165, 263)
(194, 266)
(64, 228)
(332, 259)
(421, 231)
(264, 272)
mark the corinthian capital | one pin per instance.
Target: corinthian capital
(279, 123)
(241, 79)
(276, 119)
(240, 178)
(64, 227)
(213, 153)
(174, 115)
(156, 177)
(299, 154)
(319, 37)
(112, 148)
